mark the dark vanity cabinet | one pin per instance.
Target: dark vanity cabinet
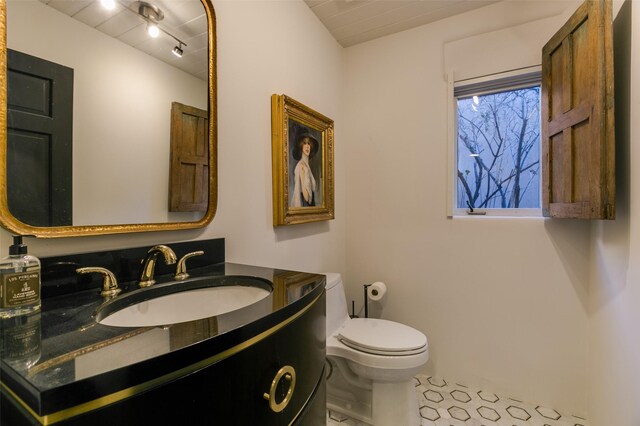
(231, 391)
(261, 365)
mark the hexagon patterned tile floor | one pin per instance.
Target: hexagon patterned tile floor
(452, 404)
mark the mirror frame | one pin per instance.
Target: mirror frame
(9, 222)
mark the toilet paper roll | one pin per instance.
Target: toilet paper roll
(377, 291)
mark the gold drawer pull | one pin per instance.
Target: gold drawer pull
(289, 375)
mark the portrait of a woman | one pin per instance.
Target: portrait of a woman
(302, 163)
(305, 186)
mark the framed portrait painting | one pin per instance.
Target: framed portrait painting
(302, 156)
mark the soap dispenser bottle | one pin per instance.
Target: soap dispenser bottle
(19, 281)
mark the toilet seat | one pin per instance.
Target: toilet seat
(381, 337)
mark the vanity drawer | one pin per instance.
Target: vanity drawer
(232, 391)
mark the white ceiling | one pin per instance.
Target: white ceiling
(185, 19)
(349, 21)
(356, 21)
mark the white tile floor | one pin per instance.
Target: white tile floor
(449, 404)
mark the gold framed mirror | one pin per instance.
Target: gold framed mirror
(117, 161)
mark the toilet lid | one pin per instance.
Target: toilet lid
(382, 337)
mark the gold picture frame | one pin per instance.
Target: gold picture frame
(302, 157)
(290, 286)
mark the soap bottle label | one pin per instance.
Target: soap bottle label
(19, 289)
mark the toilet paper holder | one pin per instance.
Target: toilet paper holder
(366, 304)
(366, 300)
(377, 294)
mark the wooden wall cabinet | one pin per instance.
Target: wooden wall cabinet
(578, 158)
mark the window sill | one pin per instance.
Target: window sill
(500, 213)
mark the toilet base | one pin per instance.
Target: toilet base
(395, 404)
(374, 403)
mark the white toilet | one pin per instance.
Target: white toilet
(371, 364)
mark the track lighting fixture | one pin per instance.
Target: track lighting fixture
(108, 4)
(152, 15)
(178, 50)
(153, 30)
(150, 12)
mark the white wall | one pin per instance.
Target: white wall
(504, 302)
(544, 310)
(614, 303)
(268, 47)
(107, 71)
(264, 47)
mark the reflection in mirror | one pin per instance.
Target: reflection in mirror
(100, 156)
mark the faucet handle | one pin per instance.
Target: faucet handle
(109, 283)
(181, 269)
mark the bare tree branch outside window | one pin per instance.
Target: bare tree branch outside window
(499, 150)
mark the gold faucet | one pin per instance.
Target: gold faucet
(181, 269)
(109, 282)
(149, 263)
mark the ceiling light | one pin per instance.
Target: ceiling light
(152, 15)
(153, 30)
(178, 51)
(108, 4)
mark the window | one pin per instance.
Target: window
(569, 172)
(497, 145)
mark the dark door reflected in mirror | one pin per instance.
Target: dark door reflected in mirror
(89, 99)
(39, 140)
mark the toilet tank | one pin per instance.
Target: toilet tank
(337, 312)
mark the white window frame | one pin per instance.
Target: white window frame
(485, 84)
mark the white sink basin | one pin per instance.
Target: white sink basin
(185, 306)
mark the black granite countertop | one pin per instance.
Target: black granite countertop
(67, 358)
